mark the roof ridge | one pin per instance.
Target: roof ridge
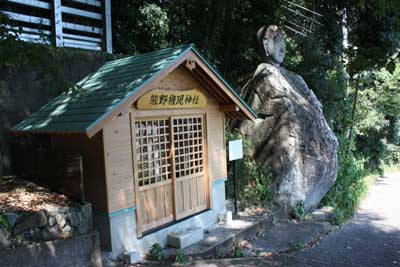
(150, 53)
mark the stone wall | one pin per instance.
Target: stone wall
(48, 224)
(81, 251)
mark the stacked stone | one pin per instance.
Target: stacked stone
(51, 223)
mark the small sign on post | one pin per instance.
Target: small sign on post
(235, 148)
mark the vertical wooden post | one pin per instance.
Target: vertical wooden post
(107, 31)
(57, 23)
(172, 156)
(135, 175)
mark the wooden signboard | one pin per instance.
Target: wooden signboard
(172, 99)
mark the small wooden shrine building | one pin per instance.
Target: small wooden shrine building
(150, 129)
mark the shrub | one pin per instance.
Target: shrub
(392, 156)
(254, 181)
(180, 257)
(4, 222)
(349, 188)
(258, 187)
(236, 251)
(156, 252)
(298, 211)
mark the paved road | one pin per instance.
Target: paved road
(372, 238)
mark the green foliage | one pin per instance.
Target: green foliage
(219, 252)
(376, 121)
(152, 28)
(254, 181)
(223, 31)
(350, 186)
(140, 28)
(236, 251)
(298, 211)
(296, 247)
(4, 222)
(156, 252)
(258, 190)
(180, 257)
(392, 157)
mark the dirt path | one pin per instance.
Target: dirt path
(371, 238)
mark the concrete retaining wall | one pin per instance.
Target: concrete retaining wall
(81, 251)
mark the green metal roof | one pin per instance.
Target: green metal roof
(97, 95)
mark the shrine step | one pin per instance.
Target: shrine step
(185, 238)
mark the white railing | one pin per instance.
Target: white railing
(82, 24)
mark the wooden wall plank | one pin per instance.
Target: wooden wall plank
(179, 198)
(143, 212)
(168, 200)
(193, 193)
(34, 40)
(28, 30)
(81, 13)
(186, 195)
(72, 45)
(94, 177)
(32, 3)
(160, 200)
(119, 169)
(26, 18)
(81, 28)
(88, 2)
(80, 37)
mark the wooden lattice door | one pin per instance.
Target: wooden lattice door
(153, 173)
(169, 169)
(189, 170)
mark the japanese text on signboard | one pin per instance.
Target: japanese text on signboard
(170, 99)
(174, 99)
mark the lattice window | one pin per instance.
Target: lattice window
(188, 145)
(153, 151)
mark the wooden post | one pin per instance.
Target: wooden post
(107, 31)
(57, 23)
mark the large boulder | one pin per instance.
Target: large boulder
(291, 136)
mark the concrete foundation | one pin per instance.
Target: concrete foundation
(185, 237)
(123, 225)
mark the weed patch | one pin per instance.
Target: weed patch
(156, 253)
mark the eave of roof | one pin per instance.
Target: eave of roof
(227, 84)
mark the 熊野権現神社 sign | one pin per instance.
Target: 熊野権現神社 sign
(170, 99)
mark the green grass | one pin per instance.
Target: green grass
(351, 187)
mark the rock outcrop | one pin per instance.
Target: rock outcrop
(291, 136)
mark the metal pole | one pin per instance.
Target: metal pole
(235, 186)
